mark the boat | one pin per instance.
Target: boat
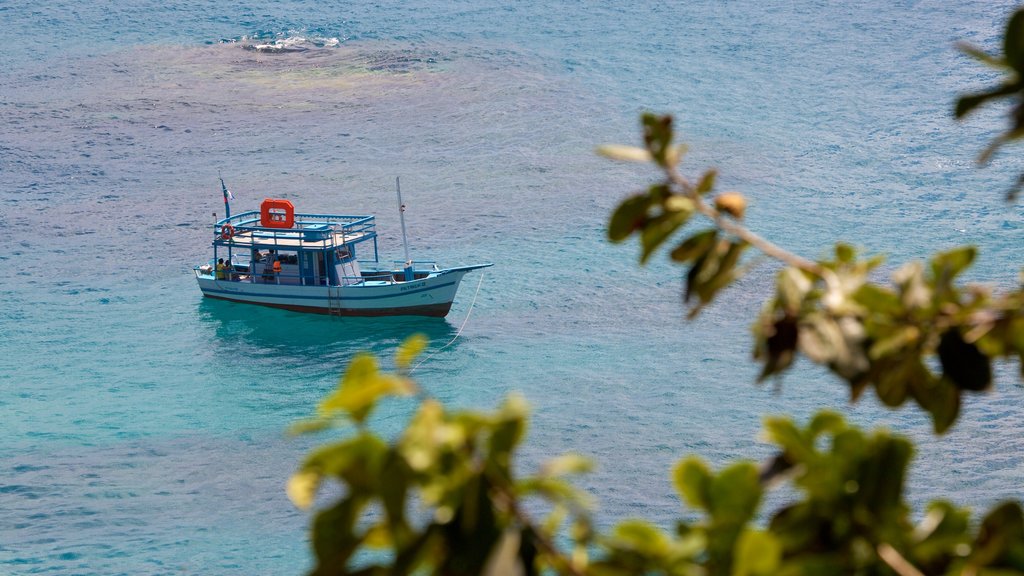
(320, 263)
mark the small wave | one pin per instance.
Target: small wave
(284, 43)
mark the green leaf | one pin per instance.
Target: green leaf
(692, 481)
(725, 272)
(947, 265)
(707, 182)
(1001, 530)
(628, 217)
(963, 363)
(695, 246)
(781, 337)
(658, 137)
(642, 537)
(657, 230)
(939, 397)
(735, 493)
(757, 553)
(357, 461)
(845, 253)
(409, 350)
(1013, 42)
(882, 476)
(334, 536)
(881, 301)
(785, 434)
(826, 421)
(360, 388)
(792, 286)
(395, 481)
(896, 340)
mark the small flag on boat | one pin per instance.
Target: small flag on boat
(228, 196)
(227, 193)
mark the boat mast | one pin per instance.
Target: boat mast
(405, 239)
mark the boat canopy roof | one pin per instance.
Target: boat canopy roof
(308, 232)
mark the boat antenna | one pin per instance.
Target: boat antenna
(405, 239)
(227, 196)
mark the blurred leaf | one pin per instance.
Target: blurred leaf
(1013, 42)
(939, 397)
(881, 301)
(785, 434)
(692, 481)
(642, 537)
(826, 421)
(1000, 532)
(658, 229)
(948, 265)
(395, 480)
(780, 342)
(334, 538)
(302, 487)
(792, 287)
(735, 493)
(567, 464)
(757, 553)
(716, 270)
(409, 350)
(357, 461)
(963, 363)
(707, 182)
(900, 338)
(360, 388)
(624, 153)
(658, 137)
(311, 426)
(845, 253)
(695, 246)
(378, 537)
(628, 217)
(968, 103)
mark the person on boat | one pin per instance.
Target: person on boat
(268, 273)
(229, 270)
(220, 269)
(277, 270)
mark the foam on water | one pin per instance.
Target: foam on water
(143, 425)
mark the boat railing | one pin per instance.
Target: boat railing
(318, 229)
(431, 263)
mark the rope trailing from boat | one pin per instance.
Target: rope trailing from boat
(464, 322)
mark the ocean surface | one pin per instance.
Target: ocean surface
(142, 429)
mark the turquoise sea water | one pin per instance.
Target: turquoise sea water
(142, 427)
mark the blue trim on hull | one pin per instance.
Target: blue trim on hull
(432, 310)
(324, 298)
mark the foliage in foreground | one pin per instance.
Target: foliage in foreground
(445, 497)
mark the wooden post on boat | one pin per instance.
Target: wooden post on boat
(405, 239)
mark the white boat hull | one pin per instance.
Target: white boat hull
(430, 296)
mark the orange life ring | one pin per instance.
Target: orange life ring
(227, 231)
